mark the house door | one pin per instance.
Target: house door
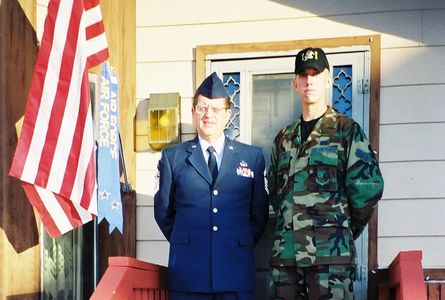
(264, 101)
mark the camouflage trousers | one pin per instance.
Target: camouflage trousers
(310, 283)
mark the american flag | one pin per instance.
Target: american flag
(55, 154)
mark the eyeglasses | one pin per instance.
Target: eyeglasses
(203, 108)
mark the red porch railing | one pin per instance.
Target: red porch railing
(406, 276)
(129, 278)
(406, 280)
(436, 289)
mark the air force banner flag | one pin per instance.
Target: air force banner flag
(109, 196)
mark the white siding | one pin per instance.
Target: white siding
(180, 40)
(158, 13)
(418, 141)
(159, 77)
(155, 252)
(432, 248)
(411, 218)
(413, 66)
(412, 111)
(400, 104)
(414, 179)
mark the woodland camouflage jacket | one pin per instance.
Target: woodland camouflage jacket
(323, 191)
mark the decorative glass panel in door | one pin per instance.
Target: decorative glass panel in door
(275, 104)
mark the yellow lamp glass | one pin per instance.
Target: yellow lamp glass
(163, 120)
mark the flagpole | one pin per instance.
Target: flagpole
(127, 187)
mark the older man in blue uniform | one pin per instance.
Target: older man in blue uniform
(211, 205)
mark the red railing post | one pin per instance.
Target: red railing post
(406, 276)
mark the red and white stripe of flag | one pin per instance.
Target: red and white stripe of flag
(55, 155)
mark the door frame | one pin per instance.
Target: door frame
(265, 49)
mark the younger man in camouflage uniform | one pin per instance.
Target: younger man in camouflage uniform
(324, 182)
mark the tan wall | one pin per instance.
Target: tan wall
(120, 28)
(19, 238)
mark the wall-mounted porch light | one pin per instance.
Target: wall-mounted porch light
(157, 123)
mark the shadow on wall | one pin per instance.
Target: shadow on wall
(18, 49)
(354, 14)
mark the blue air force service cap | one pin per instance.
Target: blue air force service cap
(212, 87)
(311, 57)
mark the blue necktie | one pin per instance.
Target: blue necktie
(213, 167)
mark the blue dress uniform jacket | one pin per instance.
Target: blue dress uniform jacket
(212, 230)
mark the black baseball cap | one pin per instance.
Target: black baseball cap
(311, 57)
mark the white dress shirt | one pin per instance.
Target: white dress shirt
(218, 145)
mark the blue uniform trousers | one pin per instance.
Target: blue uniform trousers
(210, 296)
